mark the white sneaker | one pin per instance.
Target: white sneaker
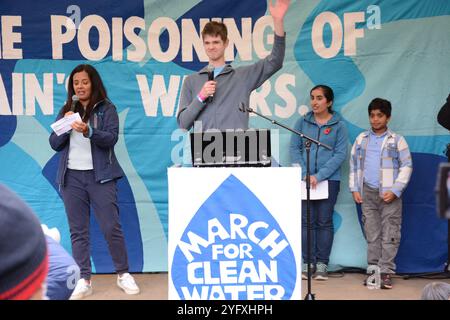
(82, 289)
(126, 283)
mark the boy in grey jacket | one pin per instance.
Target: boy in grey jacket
(215, 102)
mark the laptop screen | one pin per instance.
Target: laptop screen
(231, 148)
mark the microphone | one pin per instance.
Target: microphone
(244, 109)
(75, 100)
(210, 70)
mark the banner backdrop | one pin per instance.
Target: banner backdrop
(398, 50)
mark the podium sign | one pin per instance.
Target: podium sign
(234, 233)
(231, 148)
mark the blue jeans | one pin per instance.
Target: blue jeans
(322, 231)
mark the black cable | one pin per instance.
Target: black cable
(339, 273)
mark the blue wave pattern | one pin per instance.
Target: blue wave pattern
(36, 44)
(218, 9)
(349, 81)
(148, 139)
(231, 197)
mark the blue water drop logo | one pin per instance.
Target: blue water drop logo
(233, 249)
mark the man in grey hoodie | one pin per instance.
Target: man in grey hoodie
(215, 103)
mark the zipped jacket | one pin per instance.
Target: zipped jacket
(324, 164)
(103, 133)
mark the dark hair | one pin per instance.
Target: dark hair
(98, 91)
(327, 92)
(214, 28)
(380, 104)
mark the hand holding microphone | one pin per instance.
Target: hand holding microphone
(78, 126)
(75, 100)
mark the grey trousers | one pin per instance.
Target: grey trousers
(382, 224)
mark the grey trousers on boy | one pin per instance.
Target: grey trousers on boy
(382, 223)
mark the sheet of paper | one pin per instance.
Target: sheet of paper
(320, 192)
(64, 124)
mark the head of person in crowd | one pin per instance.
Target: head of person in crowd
(379, 114)
(23, 250)
(321, 99)
(436, 291)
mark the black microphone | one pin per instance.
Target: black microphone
(75, 100)
(210, 70)
(243, 108)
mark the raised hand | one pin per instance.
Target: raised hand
(278, 10)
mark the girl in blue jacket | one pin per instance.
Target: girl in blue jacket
(326, 126)
(87, 175)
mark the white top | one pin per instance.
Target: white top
(80, 156)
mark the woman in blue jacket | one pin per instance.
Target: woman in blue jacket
(87, 175)
(327, 126)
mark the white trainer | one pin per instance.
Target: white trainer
(82, 289)
(126, 283)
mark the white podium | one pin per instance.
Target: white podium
(234, 233)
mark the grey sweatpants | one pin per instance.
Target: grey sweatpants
(382, 223)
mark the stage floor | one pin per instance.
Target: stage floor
(346, 286)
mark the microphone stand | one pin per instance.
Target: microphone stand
(447, 264)
(309, 140)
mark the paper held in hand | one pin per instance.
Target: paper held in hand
(320, 192)
(64, 124)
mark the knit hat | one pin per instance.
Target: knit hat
(23, 249)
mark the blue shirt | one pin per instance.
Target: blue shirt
(218, 70)
(373, 159)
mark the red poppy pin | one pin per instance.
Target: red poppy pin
(327, 130)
